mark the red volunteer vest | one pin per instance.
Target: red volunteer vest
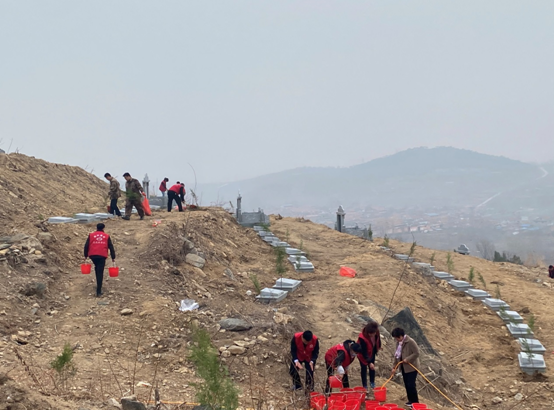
(176, 188)
(163, 187)
(304, 352)
(333, 352)
(98, 244)
(369, 346)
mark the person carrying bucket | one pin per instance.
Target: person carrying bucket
(96, 248)
(304, 349)
(370, 342)
(407, 353)
(338, 358)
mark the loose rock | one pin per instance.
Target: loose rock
(195, 260)
(126, 312)
(235, 325)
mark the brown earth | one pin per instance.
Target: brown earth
(117, 355)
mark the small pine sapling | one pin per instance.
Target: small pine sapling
(482, 280)
(471, 277)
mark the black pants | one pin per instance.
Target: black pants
(296, 376)
(364, 373)
(330, 371)
(99, 264)
(410, 384)
(114, 209)
(171, 196)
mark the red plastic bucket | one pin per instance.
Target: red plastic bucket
(335, 382)
(380, 393)
(371, 404)
(85, 268)
(419, 406)
(339, 405)
(346, 390)
(113, 271)
(336, 397)
(352, 405)
(391, 406)
(317, 401)
(360, 389)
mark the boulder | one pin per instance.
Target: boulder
(235, 325)
(406, 320)
(128, 404)
(126, 312)
(195, 260)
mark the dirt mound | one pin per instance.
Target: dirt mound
(33, 190)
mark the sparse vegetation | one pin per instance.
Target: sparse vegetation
(504, 257)
(217, 390)
(385, 242)
(471, 276)
(370, 233)
(256, 283)
(287, 235)
(449, 263)
(482, 280)
(531, 322)
(64, 366)
(432, 258)
(497, 293)
(280, 258)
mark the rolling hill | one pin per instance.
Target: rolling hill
(418, 177)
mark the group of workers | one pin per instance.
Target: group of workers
(134, 194)
(175, 193)
(339, 358)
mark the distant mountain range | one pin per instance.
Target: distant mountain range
(418, 177)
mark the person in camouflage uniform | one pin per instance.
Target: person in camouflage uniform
(133, 192)
(113, 194)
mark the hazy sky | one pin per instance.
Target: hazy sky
(243, 88)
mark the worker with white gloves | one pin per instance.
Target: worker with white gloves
(338, 359)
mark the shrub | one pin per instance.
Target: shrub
(64, 366)
(217, 391)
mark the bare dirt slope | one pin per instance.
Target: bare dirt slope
(34, 189)
(45, 302)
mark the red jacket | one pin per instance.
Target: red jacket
(369, 347)
(163, 187)
(332, 354)
(98, 244)
(304, 352)
(176, 188)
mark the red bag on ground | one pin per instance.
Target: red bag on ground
(348, 272)
(146, 206)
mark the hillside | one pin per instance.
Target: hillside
(33, 190)
(45, 302)
(418, 177)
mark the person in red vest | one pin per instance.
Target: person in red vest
(370, 342)
(338, 359)
(163, 186)
(96, 248)
(176, 193)
(304, 349)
